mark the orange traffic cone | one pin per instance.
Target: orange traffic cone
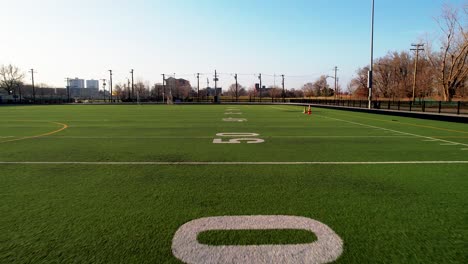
(309, 111)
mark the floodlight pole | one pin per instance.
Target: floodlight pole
(371, 58)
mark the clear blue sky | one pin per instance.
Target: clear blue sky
(85, 38)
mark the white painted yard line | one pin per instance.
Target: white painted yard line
(236, 162)
(282, 109)
(448, 144)
(6, 136)
(202, 137)
(396, 131)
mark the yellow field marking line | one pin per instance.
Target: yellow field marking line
(408, 124)
(64, 126)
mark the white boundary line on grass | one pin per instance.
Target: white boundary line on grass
(396, 131)
(234, 162)
(203, 137)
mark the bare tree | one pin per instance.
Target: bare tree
(359, 83)
(451, 61)
(232, 90)
(321, 87)
(10, 78)
(121, 91)
(274, 91)
(308, 90)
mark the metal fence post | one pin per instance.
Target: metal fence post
(410, 105)
(398, 105)
(458, 107)
(440, 107)
(424, 106)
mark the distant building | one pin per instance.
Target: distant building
(92, 84)
(178, 88)
(176, 83)
(76, 83)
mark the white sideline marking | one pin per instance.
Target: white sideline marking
(7, 137)
(448, 144)
(237, 162)
(280, 108)
(186, 248)
(396, 131)
(231, 113)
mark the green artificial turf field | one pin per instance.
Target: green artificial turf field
(113, 183)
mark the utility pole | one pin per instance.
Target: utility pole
(216, 83)
(164, 86)
(371, 58)
(198, 87)
(282, 83)
(417, 48)
(133, 90)
(336, 82)
(237, 87)
(110, 84)
(260, 78)
(33, 88)
(104, 89)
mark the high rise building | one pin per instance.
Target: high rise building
(76, 83)
(92, 84)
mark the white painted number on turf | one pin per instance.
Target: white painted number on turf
(186, 248)
(237, 134)
(230, 119)
(238, 137)
(238, 141)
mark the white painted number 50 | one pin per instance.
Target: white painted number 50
(238, 141)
